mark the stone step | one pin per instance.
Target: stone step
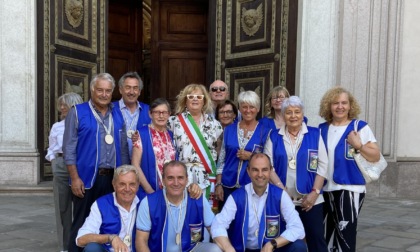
(42, 188)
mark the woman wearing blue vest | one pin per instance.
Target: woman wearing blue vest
(273, 119)
(240, 141)
(153, 148)
(300, 162)
(345, 190)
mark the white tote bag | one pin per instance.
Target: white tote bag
(371, 171)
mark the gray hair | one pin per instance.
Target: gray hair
(124, 169)
(292, 101)
(102, 76)
(69, 100)
(133, 75)
(249, 97)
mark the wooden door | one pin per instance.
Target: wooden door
(254, 44)
(125, 29)
(71, 50)
(179, 46)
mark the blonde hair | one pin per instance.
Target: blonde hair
(331, 96)
(274, 92)
(181, 102)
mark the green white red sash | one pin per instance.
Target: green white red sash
(201, 148)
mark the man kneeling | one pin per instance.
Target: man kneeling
(259, 216)
(170, 220)
(109, 226)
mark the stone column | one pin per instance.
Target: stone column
(19, 158)
(356, 44)
(317, 48)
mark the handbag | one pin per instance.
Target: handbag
(370, 171)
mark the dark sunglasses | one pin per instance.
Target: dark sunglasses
(221, 89)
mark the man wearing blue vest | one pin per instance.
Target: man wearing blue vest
(169, 220)
(92, 147)
(110, 224)
(128, 110)
(259, 216)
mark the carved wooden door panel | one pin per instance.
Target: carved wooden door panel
(255, 45)
(125, 39)
(179, 46)
(72, 51)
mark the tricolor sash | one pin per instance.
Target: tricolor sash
(201, 148)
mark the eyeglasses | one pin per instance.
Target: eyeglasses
(215, 89)
(226, 112)
(281, 98)
(158, 113)
(195, 96)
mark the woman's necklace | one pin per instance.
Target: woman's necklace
(295, 136)
(294, 147)
(248, 131)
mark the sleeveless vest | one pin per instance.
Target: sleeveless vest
(88, 142)
(230, 175)
(306, 159)
(193, 223)
(272, 223)
(111, 219)
(346, 171)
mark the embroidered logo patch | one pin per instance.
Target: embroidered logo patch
(195, 232)
(313, 160)
(273, 226)
(350, 151)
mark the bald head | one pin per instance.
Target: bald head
(218, 92)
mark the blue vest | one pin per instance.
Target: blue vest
(194, 220)
(111, 219)
(306, 159)
(230, 176)
(144, 118)
(272, 223)
(268, 123)
(148, 160)
(87, 144)
(346, 171)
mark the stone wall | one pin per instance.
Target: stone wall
(19, 159)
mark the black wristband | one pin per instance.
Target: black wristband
(274, 243)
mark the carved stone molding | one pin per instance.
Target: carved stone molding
(239, 77)
(368, 58)
(85, 33)
(251, 20)
(74, 10)
(74, 75)
(46, 84)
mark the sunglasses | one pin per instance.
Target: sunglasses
(215, 89)
(195, 96)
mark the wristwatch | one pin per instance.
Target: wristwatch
(274, 243)
(217, 184)
(317, 191)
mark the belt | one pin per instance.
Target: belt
(59, 154)
(105, 171)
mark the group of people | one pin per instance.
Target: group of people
(145, 178)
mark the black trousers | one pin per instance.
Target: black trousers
(81, 206)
